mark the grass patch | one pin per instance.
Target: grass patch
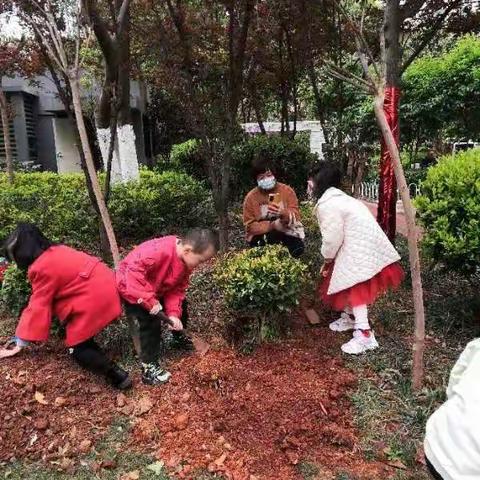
(390, 416)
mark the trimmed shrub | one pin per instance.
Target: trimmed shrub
(59, 204)
(292, 160)
(449, 210)
(186, 157)
(159, 204)
(262, 285)
(15, 291)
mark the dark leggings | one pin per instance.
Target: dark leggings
(150, 331)
(295, 245)
(91, 357)
(432, 470)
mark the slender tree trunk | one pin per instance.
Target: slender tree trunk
(419, 341)
(387, 199)
(359, 175)
(102, 207)
(6, 134)
(318, 98)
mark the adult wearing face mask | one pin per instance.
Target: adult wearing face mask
(270, 212)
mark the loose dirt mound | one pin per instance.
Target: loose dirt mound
(248, 417)
(256, 417)
(49, 408)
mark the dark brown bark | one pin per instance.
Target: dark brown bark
(393, 52)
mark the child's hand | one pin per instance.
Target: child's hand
(325, 269)
(10, 349)
(177, 324)
(156, 309)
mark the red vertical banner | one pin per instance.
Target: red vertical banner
(387, 192)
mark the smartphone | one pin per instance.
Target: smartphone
(274, 198)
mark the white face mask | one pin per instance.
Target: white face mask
(267, 183)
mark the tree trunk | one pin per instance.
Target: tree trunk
(318, 98)
(414, 256)
(6, 134)
(387, 198)
(359, 176)
(105, 216)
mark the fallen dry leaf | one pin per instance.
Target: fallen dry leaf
(143, 406)
(134, 475)
(220, 460)
(397, 464)
(60, 401)
(40, 398)
(121, 400)
(85, 446)
(181, 421)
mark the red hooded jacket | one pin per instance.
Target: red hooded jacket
(153, 271)
(75, 287)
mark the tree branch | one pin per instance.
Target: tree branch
(107, 43)
(122, 16)
(429, 35)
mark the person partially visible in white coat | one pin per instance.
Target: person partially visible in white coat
(360, 263)
(452, 438)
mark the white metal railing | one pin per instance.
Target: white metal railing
(369, 191)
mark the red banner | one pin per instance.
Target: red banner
(387, 193)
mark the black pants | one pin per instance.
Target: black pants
(150, 331)
(295, 245)
(91, 357)
(432, 470)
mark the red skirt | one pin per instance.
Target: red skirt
(364, 293)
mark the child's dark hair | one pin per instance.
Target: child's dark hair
(327, 174)
(261, 165)
(25, 244)
(201, 239)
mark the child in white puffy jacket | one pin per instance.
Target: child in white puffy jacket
(360, 263)
(452, 438)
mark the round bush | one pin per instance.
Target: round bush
(262, 281)
(187, 157)
(449, 210)
(292, 161)
(159, 204)
(15, 291)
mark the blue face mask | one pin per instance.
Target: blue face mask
(267, 183)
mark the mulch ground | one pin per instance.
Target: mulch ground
(247, 417)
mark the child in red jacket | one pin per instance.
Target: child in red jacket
(153, 278)
(78, 289)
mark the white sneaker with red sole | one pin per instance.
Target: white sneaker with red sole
(360, 343)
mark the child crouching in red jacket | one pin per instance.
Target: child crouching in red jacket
(78, 289)
(153, 278)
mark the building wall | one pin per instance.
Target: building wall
(67, 156)
(46, 143)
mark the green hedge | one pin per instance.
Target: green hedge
(449, 210)
(291, 158)
(157, 204)
(292, 161)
